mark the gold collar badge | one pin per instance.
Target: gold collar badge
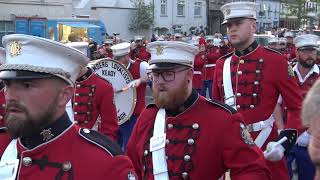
(15, 48)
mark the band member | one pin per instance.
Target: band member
(213, 54)
(93, 104)
(291, 49)
(310, 116)
(2, 100)
(273, 43)
(139, 51)
(39, 132)
(251, 79)
(138, 70)
(199, 61)
(182, 135)
(306, 72)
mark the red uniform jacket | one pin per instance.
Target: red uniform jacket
(93, 101)
(199, 62)
(134, 69)
(262, 74)
(89, 154)
(199, 132)
(213, 54)
(140, 53)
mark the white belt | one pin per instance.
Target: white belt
(157, 147)
(227, 84)
(9, 162)
(210, 65)
(197, 72)
(265, 127)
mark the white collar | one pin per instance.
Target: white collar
(315, 69)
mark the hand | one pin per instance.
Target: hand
(274, 152)
(303, 139)
(135, 83)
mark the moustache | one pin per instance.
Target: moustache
(14, 106)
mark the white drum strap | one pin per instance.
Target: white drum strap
(265, 132)
(9, 163)
(157, 147)
(227, 84)
(70, 111)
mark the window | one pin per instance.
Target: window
(163, 8)
(180, 7)
(197, 8)
(6, 27)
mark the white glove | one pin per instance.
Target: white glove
(303, 139)
(274, 152)
(133, 84)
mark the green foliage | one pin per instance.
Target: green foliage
(299, 9)
(143, 16)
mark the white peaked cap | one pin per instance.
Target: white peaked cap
(168, 54)
(273, 40)
(34, 57)
(81, 46)
(121, 49)
(306, 40)
(239, 10)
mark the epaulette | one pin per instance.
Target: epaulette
(101, 141)
(151, 105)
(273, 50)
(226, 56)
(222, 105)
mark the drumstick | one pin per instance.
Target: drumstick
(282, 140)
(122, 90)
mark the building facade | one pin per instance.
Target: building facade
(268, 15)
(179, 16)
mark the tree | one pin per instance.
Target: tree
(301, 9)
(143, 17)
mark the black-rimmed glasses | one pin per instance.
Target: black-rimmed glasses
(166, 75)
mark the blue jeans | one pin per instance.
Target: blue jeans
(305, 167)
(207, 84)
(125, 131)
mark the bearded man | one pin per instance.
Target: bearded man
(182, 135)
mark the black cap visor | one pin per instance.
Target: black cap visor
(165, 66)
(21, 74)
(307, 48)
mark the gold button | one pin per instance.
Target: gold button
(241, 61)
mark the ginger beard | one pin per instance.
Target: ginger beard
(170, 98)
(29, 123)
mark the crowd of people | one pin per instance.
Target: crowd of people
(223, 107)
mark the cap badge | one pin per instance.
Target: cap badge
(159, 50)
(228, 11)
(46, 134)
(15, 48)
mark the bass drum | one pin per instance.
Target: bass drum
(124, 98)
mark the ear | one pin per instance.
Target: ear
(189, 74)
(253, 26)
(65, 95)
